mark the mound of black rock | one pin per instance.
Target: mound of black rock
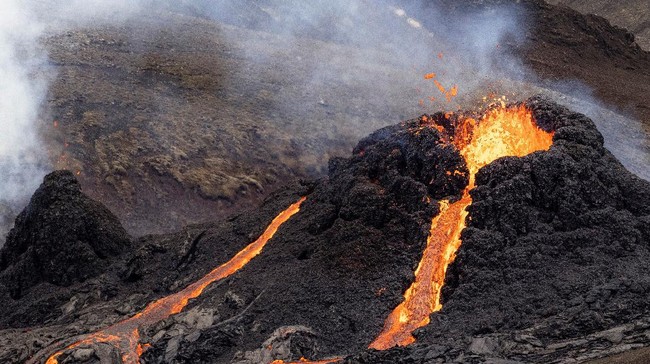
(61, 237)
(555, 260)
(339, 266)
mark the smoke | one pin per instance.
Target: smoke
(379, 50)
(375, 55)
(24, 75)
(462, 49)
(63, 15)
(22, 90)
(466, 50)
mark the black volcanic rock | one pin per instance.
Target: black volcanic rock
(342, 263)
(410, 150)
(554, 261)
(61, 237)
(560, 233)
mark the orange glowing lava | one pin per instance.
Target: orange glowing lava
(125, 335)
(449, 94)
(503, 131)
(453, 92)
(307, 361)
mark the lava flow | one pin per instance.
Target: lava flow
(503, 131)
(125, 335)
(307, 361)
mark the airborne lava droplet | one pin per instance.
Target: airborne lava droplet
(501, 132)
(125, 335)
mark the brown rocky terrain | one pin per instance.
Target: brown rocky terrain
(175, 118)
(633, 15)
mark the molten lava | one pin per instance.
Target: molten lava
(501, 132)
(307, 361)
(504, 131)
(125, 335)
(449, 94)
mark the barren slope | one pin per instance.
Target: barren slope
(174, 118)
(633, 15)
(150, 117)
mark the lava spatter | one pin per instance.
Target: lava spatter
(125, 335)
(502, 131)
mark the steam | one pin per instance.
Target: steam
(24, 75)
(374, 54)
(63, 15)
(364, 44)
(462, 49)
(22, 92)
(467, 50)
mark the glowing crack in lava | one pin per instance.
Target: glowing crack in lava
(503, 131)
(125, 335)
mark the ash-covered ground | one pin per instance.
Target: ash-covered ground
(629, 15)
(553, 266)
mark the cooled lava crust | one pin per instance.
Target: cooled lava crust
(62, 237)
(555, 249)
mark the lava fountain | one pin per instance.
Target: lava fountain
(501, 132)
(125, 335)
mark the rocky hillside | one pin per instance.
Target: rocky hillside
(633, 15)
(183, 116)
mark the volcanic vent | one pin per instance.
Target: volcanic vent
(501, 132)
(555, 248)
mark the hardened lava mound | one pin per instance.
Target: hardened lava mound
(553, 264)
(62, 237)
(554, 260)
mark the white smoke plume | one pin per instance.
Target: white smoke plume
(466, 52)
(22, 90)
(24, 76)
(463, 50)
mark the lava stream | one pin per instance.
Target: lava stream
(501, 132)
(423, 296)
(125, 335)
(307, 361)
